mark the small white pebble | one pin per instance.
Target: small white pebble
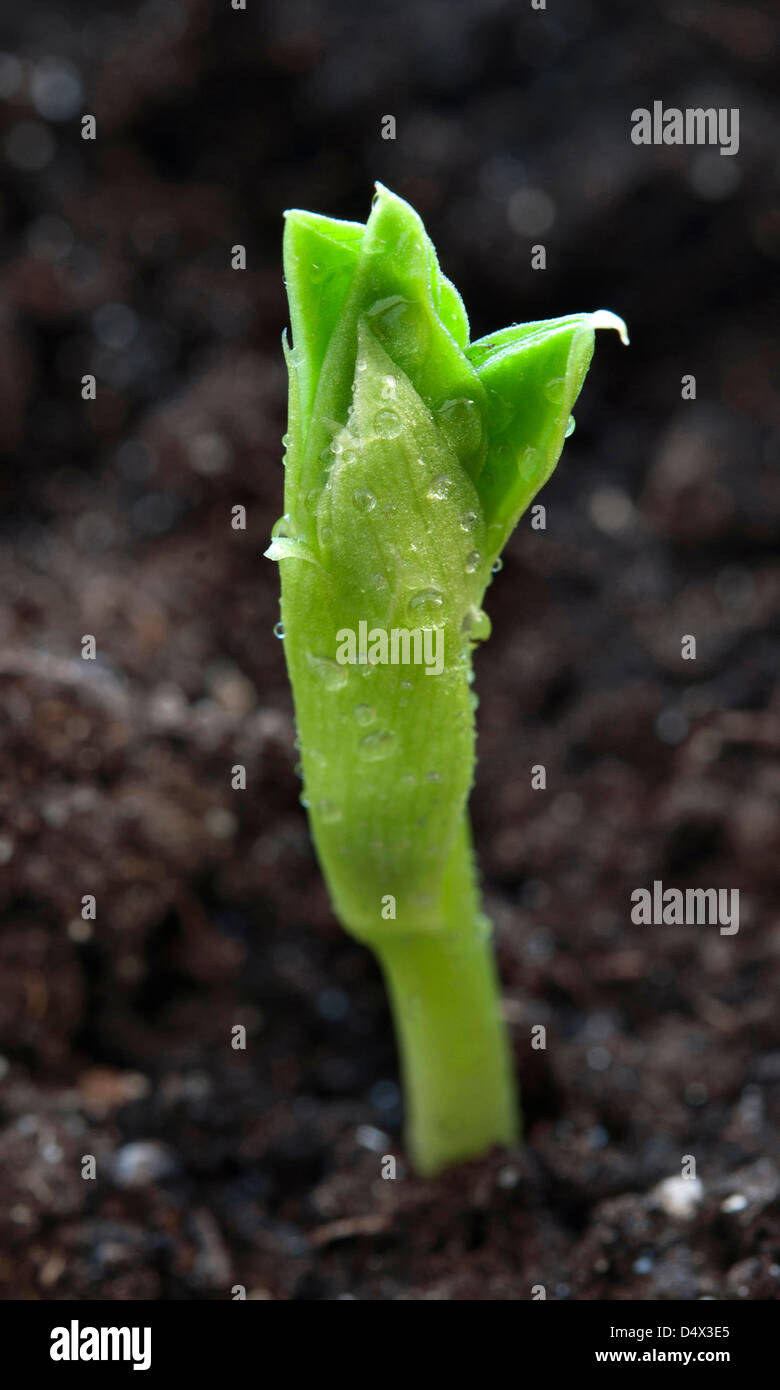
(679, 1197)
(220, 823)
(611, 510)
(142, 1163)
(508, 1178)
(599, 1058)
(79, 930)
(369, 1137)
(736, 1202)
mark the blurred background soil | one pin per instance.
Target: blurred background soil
(261, 1167)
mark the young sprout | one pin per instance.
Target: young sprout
(411, 454)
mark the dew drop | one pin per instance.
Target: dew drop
(472, 561)
(329, 812)
(462, 421)
(377, 746)
(387, 424)
(388, 389)
(379, 581)
(528, 461)
(402, 324)
(476, 624)
(433, 776)
(498, 566)
(484, 927)
(502, 411)
(570, 427)
(279, 630)
(426, 604)
(304, 800)
(313, 499)
(439, 489)
(468, 521)
(282, 529)
(364, 500)
(555, 388)
(331, 674)
(365, 715)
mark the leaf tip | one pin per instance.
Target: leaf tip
(604, 318)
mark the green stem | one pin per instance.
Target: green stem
(455, 1055)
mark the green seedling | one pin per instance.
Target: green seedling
(411, 453)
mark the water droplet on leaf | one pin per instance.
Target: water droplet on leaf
(439, 489)
(528, 461)
(377, 746)
(332, 675)
(364, 500)
(462, 422)
(402, 325)
(484, 927)
(425, 605)
(387, 424)
(476, 624)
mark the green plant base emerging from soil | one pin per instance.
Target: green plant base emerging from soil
(411, 454)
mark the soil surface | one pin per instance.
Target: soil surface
(217, 1167)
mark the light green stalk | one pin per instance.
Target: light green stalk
(410, 456)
